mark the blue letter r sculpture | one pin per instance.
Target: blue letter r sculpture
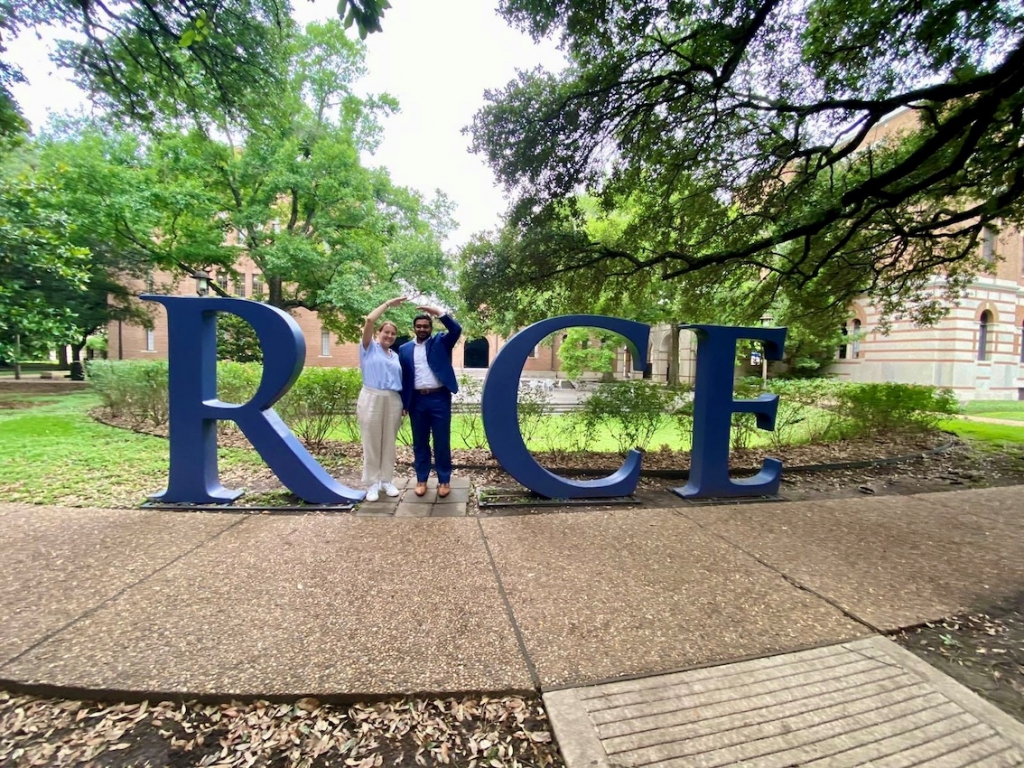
(195, 409)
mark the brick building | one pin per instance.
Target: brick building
(133, 342)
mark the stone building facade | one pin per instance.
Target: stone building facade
(976, 349)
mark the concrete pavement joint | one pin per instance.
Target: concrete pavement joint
(534, 676)
(786, 577)
(50, 635)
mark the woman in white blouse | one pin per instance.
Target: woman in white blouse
(379, 408)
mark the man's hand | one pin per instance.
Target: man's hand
(431, 311)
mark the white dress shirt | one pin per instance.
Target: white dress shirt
(423, 378)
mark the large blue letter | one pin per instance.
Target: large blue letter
(195, 409)
(500, 408)
(713, 407)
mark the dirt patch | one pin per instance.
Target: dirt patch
(982, 648)
(492, 731)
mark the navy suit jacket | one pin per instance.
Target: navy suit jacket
(439, 358)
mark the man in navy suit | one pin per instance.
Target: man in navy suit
(428, 383)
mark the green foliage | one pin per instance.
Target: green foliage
(893, 408)
(320, 400)
(236, 382)
(237, 340)
(633, 410)
(469, 426)
(587, 350)
(38, 266)
(734, 148)
(531, 405)
(804, 410)
(136, 391)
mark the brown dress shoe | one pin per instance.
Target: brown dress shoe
(443, 489)
(421, 489)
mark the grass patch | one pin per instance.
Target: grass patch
(56, 454)
(991, 435)
(984, 407)
(1003, 415)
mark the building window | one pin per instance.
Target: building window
(984, 330)
(150, 284)
(150, 340)
(842, 347)
(325, 344)
(240, 286)
(988, 245)
(535, 352)
(855, 343)
(258, 287)
(222, 281)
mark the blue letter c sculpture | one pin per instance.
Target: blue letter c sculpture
(501, 411)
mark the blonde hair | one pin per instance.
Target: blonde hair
(387, 322)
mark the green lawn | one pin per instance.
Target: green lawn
(55, 453)
(984, 407)
(993, 435)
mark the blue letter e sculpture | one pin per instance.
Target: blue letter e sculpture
(500, 407)
(195, 409)
(713, 407)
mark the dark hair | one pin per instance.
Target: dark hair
(426, 317)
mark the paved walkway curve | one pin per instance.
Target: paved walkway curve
(143, 602)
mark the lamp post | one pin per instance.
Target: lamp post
(765, 321)
(202, 282)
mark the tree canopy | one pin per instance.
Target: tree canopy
(750, 143)
(144, 58)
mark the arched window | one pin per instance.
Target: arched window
(983, 334)
(855, 343)
(842, 347)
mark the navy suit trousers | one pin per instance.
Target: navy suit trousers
(432, 415)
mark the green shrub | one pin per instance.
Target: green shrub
(574, 432)
(807, 411)
(469, 426)
(238, 382)
(134, 390)
(531, 407)
(869, 409)
(319, 401)
(632, 410)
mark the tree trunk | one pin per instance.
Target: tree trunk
(76, 352)
(17, 356)
(62, 353)
(275, 287)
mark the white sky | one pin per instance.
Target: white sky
(435, 56)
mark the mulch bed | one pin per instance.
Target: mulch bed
(982, 648)
(474, 731)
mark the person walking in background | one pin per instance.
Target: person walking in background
(428, 383)
(379, 407)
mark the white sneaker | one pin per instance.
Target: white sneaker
(373, 493)
(389, 489)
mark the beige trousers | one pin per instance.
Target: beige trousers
(379, 412)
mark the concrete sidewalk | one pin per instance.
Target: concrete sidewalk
(136, 602)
